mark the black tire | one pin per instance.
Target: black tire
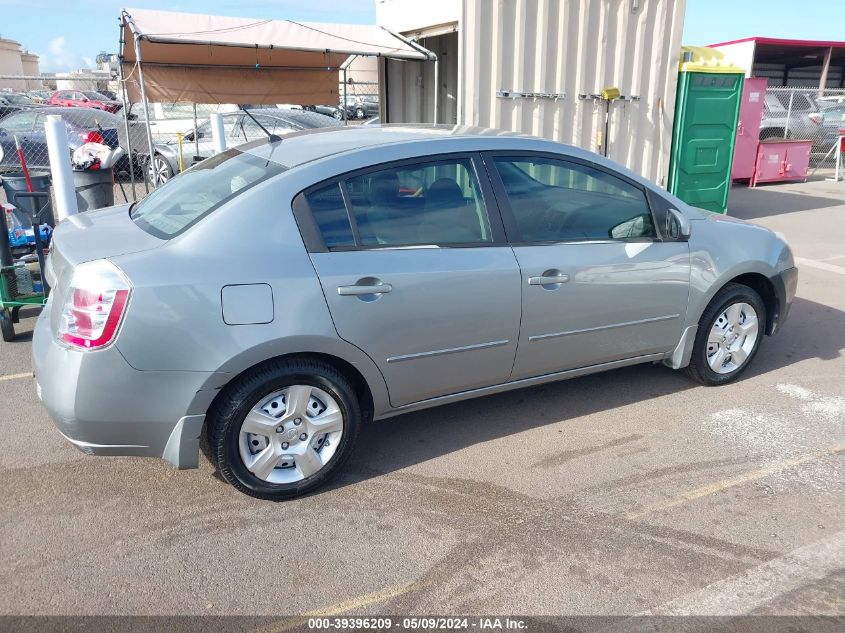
(360, 113)
(7, 326)
(698, 368)
(337, 114)
(773, 133)
(228, 413)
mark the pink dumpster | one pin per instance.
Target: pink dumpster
(779, 160)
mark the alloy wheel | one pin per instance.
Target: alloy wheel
(159, 171)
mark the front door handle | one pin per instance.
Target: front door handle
(547, 279)
(362, 289)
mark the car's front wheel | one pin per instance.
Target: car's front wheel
(729, 335)
(284, 429)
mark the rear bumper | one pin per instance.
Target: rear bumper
(105, 407)
(785, 284)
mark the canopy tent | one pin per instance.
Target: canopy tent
(215, 59)
(173, 57)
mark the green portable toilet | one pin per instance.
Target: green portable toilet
(706, 115)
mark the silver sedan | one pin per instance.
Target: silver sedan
(278, 296)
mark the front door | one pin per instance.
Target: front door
(598, 285)
(421, 280)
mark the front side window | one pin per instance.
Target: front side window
(184, 200)
(432, 203)
(557, 201)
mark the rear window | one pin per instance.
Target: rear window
(186, 199)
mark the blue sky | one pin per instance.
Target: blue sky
(68, 34)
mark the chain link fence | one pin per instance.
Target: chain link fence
(180, 133)
(803, 114)
(92, 110)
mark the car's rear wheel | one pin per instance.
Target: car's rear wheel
(729, 335)
(337, 114)
(159, 171)
(360, 113)
(284, 429)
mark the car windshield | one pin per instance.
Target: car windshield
(18, 100)
(183, 201)
(96, 95)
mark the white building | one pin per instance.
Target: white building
(523, 65)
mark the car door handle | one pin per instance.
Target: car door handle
(358, 290)
(546, 280)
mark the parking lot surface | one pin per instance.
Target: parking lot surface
(626, 492)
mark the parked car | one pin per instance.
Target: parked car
(336, 112)
(39, 96)
(84, 99)
(84, 125)
(802, 121)
(278, 296)
(168, 119)
(239, 129)
(11, 102)
(833, 123)
(365, 106)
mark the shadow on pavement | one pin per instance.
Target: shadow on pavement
(813, 330)
(747, 204)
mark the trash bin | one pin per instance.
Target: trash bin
(16, 182)
(94, 188)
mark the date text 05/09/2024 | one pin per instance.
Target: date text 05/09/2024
(430, 623)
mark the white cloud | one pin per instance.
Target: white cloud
(60, 58)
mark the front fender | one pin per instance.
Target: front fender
(722, 249)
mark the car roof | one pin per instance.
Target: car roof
(323, 145)
(305, 118)
(82, 117)
(309, 145)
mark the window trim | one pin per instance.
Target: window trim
(509, 219)
(313, 238)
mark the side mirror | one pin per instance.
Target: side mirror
(677, 225)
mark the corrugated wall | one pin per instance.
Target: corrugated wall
(573, 47)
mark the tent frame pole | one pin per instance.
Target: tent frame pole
(345, 111)
(146, 106)
(125, 93)
(436, 88)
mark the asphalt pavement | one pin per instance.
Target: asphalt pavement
(628, 492)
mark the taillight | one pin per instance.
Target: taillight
(816, 118)
(91, 137)
(94, 305)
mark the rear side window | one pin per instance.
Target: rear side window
(184, 200)
(421, 204)
(329, 213)
(555, 201)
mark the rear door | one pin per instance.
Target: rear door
(416, 272)
(599, 284)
